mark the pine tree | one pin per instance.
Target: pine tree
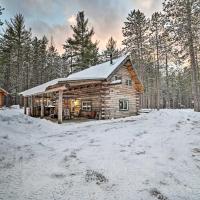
(16, 36)
(53, 63)
(135, 41)
(35, 62)
(13, 42)
(5, 58)
(43, 58)
(135, 36)
(1, 9)
(80, 46)
(111, 49)
(26, 67)
(2, 72)
(181, 15)
(156, 29)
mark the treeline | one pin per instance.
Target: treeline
(27, 61)
(165, 49)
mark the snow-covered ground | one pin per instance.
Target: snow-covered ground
(151, 156)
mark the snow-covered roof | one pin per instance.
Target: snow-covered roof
(41, 88)
(100, 71)
(97, 72)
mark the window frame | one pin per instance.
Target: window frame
(129, 82)
(116, 78)
(86, 106)
(127, 102)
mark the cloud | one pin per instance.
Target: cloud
(72, 20)
(148, 6)
(106, 17)
(28, 7)
(58, 32)
(53, 18)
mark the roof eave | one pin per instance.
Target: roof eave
(4, 91)
(86, 79)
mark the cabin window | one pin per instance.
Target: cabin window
(123, 104)
(86, 105)
(129, 82)
(117, 78)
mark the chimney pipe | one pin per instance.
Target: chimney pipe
(111, 59)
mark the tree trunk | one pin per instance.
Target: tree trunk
(195, 86)
(167, 81)
(157, 72)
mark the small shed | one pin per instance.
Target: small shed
(3, 94)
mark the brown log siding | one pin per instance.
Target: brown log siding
(117, 92)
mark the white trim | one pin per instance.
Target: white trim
(124, 100)
(87, 106)
(128, 82)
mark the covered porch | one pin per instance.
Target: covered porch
(66, 101)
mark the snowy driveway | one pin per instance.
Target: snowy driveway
(151, 156)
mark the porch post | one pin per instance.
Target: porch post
(60, 100)
(25, 104)
(42, 107)
(21, 101)
(32, 106)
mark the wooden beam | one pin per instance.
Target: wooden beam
(56, 89)
(21, 101)
(83, 83)
(60, 106)
(32, 106)
(42, 107)
(25, 104)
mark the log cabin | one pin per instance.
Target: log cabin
(3, 95)
(104, 91)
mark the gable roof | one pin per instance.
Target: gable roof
(97, 72)
(41, 88)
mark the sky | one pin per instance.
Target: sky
(54, 17)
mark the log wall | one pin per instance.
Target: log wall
(116, 92)
(1, 99)
(86, 93)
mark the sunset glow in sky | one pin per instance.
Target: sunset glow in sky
(53, 17)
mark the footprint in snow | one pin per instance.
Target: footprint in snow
(94, 176)
(73, 154)
(146, 182)
(196, 153)
(58, 175)
(198, 167)
(5, 137)
(93, 141)
(157, 194)
(140, 152)
(66, 158)
(196, 150)
(163, 183)
(171, 158)
(177, 127)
